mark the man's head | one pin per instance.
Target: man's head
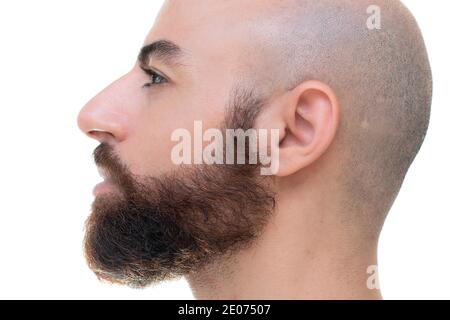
(352, 106)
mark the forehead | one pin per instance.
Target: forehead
(185, 16)
(209, 31)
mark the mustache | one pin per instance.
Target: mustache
(112, 168)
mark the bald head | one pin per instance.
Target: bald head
(381, 77)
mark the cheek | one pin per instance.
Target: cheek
(148, 148)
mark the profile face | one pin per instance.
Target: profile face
(152, 219)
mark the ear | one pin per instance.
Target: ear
(307, 118)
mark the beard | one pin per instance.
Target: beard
(152, 229)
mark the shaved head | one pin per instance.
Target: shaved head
(381, 77)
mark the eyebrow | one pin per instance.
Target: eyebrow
(164, 50)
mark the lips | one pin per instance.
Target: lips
(105, 185)
(101, 188)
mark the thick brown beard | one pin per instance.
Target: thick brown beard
(158, 228)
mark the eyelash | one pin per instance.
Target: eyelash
(152, 74)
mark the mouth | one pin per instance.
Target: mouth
(105, 185)
(102, 187)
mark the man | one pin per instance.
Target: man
(346, 84)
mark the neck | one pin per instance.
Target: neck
(301, 254)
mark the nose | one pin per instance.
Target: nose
(104, 117)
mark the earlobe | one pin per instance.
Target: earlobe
(311, 115)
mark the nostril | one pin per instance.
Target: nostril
(101, 136)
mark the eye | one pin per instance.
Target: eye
(155, 78)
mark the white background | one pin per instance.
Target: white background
(56, 55)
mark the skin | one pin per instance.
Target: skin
(308, 249)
